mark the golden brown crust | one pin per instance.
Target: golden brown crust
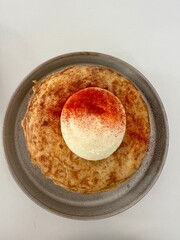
(50, 153)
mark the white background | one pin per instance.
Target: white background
(146, 34)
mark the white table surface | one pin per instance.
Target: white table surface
(146, 34)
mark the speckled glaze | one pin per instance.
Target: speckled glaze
(55, 198)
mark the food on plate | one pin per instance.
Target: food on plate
(46, 130)
(93, 123)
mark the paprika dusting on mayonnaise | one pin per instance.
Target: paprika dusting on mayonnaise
(94, 118)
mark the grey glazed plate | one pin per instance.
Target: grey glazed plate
(55, 198)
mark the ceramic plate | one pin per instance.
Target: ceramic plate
(55, 198)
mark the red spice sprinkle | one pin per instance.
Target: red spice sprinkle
(97, 102)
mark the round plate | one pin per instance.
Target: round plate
(76, 205)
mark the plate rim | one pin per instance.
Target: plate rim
(23, 187)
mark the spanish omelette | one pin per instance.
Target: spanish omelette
(47, 148)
